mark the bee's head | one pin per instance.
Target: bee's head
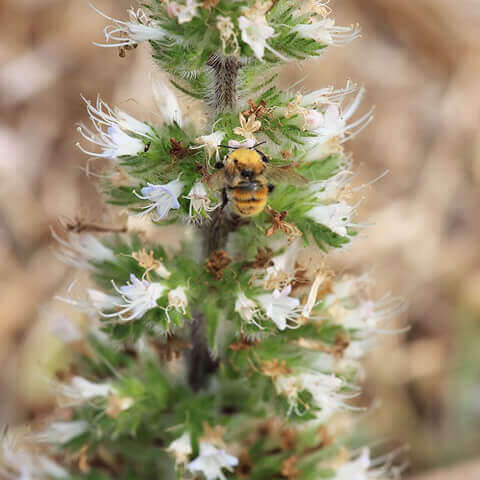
(246, 162)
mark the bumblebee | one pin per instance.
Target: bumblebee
(245, 177)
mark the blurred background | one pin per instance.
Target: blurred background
(421, 64)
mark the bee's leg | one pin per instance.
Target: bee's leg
(224, 198)
(271, 188)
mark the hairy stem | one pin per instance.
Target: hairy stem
(225, 72)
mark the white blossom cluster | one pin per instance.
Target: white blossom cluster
(255, 29)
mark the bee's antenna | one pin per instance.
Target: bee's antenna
(227, 146)
(258, 144)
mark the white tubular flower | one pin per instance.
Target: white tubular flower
(181, 449)
(336, 216)
(247, 143)
(65, 329)
(162, 198)
(100, 300)
(358, 469)
(139, 296)
(177, 299)
(255, 33)
(81, 390)
(200, 204)
(282, 272)
(334, 128)
(139, 28)
(81, 249)
(368, 314)
(20, 460)
(312, 295)
(183, 13)
(330, 190)
(210, 143)
(326, 32)
(323, 388)
(279, 307)
(166, 102)
(328, 95)
(247, 309)
(346, 289)
(61, 432)
(211, 461)
(114, 131)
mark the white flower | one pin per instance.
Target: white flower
(313, 119)
(312, 295)
(162, 198)
(81, 249)
(247, 143)
(326, 32)
(368, 314)
(183, 13)
(323, 388)
(357, 469)
(139, 296)
(255, 33)
(328, 95)
(335, 216)
(166, 101)
(100, 300)
(331, 189)
(80, 390)
(211, 460)
(181, 448)
(282, 272)
(177, 299)
(210, 143)
(65, 329)
(20, 460)
(114, 131)
(200, 204)
(335, 124)
(139, 28)
(246, 308)
(280, 307)
(62, 432)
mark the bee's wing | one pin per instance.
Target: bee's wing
(284, 175)
(216, 181)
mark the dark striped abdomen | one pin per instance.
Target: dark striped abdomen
(250, 199)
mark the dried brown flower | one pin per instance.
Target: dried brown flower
(263, 259)
(288, 438)
(177, 150)
(259, 109)
(242, 344)
(279, 223)
(209, 4)
(244, 466)
(275, 368)
(289, 467)
(116, 405)
(213, 435)
(217, 262)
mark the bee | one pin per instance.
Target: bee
(245, 177)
